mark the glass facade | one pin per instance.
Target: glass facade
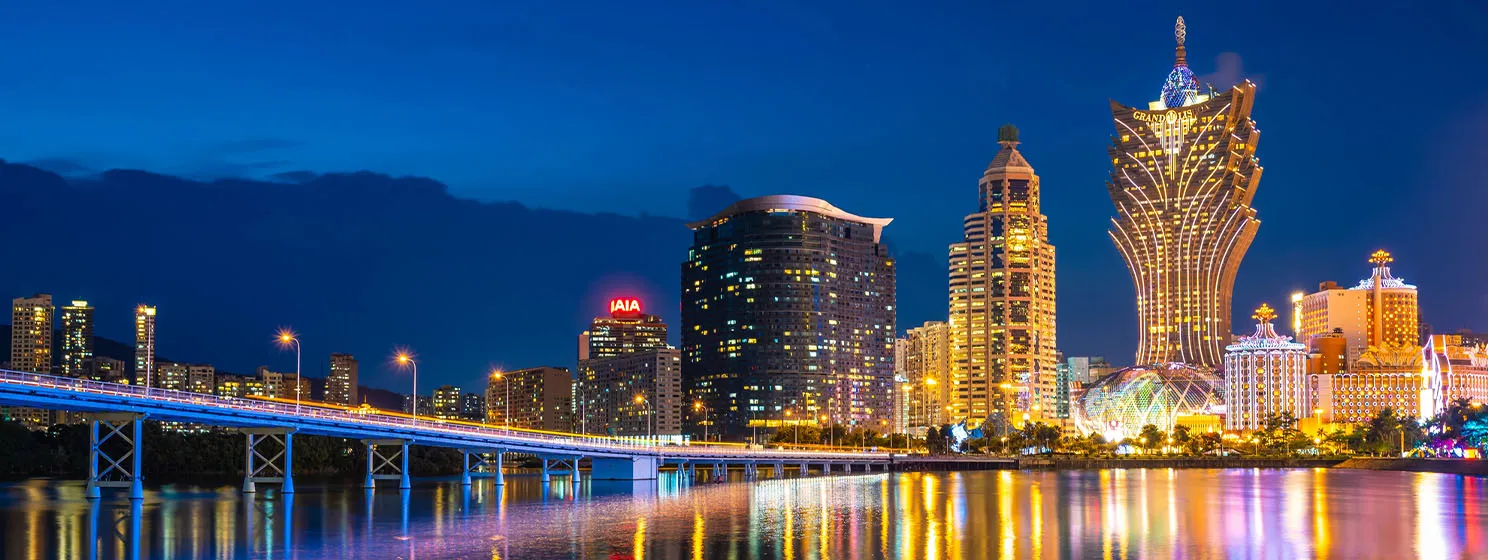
(1120, 404)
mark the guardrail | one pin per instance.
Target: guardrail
(433, 426)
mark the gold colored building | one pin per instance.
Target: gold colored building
(927, 370)
(1184, 173)
(1380, 311)
(1002, 294)
(31, 334)
(1265, 374)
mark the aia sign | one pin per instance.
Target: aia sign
(625, 306)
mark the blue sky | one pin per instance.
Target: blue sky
(1371, 114)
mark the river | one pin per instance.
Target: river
(1154, 513)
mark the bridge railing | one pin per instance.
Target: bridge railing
(310, 410)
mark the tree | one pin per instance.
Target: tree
(935, 441)
(1151, 436)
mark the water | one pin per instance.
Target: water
(1242, 513)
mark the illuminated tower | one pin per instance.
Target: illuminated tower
(1183, 175)
(1265, 374)
(1381, 311)
(144, 345)
(77, 338)
(31, 334)
(1002, 295)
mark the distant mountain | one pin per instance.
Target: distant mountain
(355, 262)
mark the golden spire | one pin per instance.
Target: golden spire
(1180, 31)
(1381, 258)
(1264, 313)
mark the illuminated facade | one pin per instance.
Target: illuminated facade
(541, 398)
(1184, 173)
(1002, 295)
(1118, 405)
(1452, 371)
(31, 334)
(1265, 374)
(170, 375)
(144, 344)
(341, 383)
(927, 368)
(625, 330)
(283, 385)
(632, 394)
(1380, 311)
(77, 338)
(788, 307)
(447, 402)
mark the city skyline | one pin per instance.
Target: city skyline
(1277, 257)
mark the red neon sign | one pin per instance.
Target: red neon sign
(625, 306)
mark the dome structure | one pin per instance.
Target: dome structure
(1118, 405)
(1181, 89)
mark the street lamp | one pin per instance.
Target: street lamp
(286, 338)
(405, 359)
(831, 437)
(506, 412)
(700, 406)
(641, 400)
(798, 428)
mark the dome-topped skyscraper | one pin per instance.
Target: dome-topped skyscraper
(1183, 175)
(1265, 374)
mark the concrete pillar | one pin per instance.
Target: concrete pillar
(92, 492)
(691, 472)
(403, 482)
(464, 468)
(368, 484)
(576, 470)
(545, 476)
(804, 469)
(288, 486)
(137, 486)
(500, 477)
(248, 486)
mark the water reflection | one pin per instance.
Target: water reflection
(1108, 514)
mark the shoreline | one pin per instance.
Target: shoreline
(1466, 467)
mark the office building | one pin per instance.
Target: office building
(1184, 173)
(626, 329)
(144, 345)
(926, 352)
(632, 395)
(1002, 295)
(540, 398)
(1379, 311)
(31, 334)
(1265, 375)
(788, 312)
(1088, 369)
(77, 338)
(341, 384)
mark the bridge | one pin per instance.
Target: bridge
(116, 412)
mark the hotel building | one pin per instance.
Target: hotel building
(788, 315)
(1184, 173)
(1381, 310)
(1265, 374)
(1002, 324)
(927, 373)
(632, 395)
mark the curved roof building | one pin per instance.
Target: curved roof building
(1265, 374)
(1118, 405)
(1183, 175)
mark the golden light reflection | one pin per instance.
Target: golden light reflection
(1430, 540)
(638, 544)
(698, 535)
(1320, 514)
(789, 544)
(1005, 512)
(932, 521)
(1036, 502)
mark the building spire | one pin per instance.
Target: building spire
(1180, 31)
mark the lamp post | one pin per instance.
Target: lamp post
(704, 408)
(506, 412)
(641, 400)
(797, 428)
(831, 437)
(286, 338)
(404, 358)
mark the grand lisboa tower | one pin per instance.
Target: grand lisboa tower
(1183, 174)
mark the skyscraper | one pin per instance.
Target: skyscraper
(927, 371)
(1002, 294)
(1265, 374)
(1184, 172)
(541, 398)
(144, 344)
(626, 329)
(341, 383)
(630, 395)
(77, 338)
(31, 334)
(788, 307)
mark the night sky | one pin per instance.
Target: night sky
(1371, 115)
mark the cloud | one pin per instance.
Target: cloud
(1229, 70)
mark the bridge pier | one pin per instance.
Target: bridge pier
(779, 469)
(114, 425)
(803, 469)
(546, 476)
(482, 465)
(268, 470)
(382, 467)
(638, 467)
(691, 471)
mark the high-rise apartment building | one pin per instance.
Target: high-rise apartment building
(447, 402)
(31, 334)
(144, 345)
(170, 375)
(201, 378)
(788, 309)
(632, 395)
(282, 385)
(77, 338)
(926, 351)
(1379, 311)
(1002, 295)
(472, 406)
(626, 329)
(102, 368)
(539, 398)
(1265, 374)
(341, 383)
(1184, 173)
